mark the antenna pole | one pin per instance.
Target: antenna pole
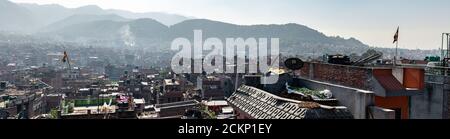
(448, 45)
(442, 46)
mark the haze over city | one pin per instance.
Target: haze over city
(224, 59)
(421, 22)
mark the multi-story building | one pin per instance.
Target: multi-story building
(113, 73)
(172, 91)
(22, 104)
(405, 89)
(216, 87)
(433, 102)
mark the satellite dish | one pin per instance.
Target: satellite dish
(294, 63)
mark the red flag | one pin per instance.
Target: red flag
(65, 57)
(396, 35)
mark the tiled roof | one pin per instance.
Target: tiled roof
(263, 105)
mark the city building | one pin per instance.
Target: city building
(172, 91)
(22, 104)
(402, 89)
(216, 87)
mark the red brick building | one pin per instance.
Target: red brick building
(393, 86)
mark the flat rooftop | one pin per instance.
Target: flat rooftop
(420, 66)
(216, 103)
(93, 109)
(171, 82)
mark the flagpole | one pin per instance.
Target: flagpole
(396, 45)
(396, 53)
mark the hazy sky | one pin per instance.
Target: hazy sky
(372, 21)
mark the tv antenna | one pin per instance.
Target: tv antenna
(445, 48)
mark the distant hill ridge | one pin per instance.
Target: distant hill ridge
(25, 17)
(115, 27)
(152, 29)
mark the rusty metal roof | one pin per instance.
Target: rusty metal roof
(389, 82)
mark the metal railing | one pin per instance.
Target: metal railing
(444, 71)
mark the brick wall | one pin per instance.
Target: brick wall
(351, 76)
(304, 72)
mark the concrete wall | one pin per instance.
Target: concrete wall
(357, 101)
(381, 113)
(433, 102)
(398, 74)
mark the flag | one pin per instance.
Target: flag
(65, 57)
(396, 35)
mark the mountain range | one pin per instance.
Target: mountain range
(25, 17)
(118, 27)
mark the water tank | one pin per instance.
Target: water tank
(339, 59)
(2, 85)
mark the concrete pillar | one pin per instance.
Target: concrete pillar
(311, 70)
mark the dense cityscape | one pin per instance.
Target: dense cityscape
(137, 83)
(106, 67)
